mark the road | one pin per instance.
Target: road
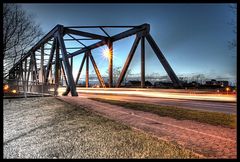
(163, 93)
(192, 99)
(226, 107)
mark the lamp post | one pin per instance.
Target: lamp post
(227, 89)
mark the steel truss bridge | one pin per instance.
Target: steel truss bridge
(27, 66)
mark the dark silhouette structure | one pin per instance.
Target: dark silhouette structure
(40, 74)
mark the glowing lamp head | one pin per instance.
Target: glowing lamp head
(227, 89)
(106, 53)
(6, 87)
(14, 91)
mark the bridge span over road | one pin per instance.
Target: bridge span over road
(198, 100)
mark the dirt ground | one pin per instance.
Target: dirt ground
(49, 128)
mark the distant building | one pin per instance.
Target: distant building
(214, 82)
(160, 84)
(136, 83)
(148, 84)
(133, 83)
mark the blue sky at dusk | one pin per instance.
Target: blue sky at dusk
(193, 37)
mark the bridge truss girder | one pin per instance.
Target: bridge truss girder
(62, 65)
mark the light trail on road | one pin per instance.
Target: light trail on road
(176, 98)
(225, 107)
(176, 94)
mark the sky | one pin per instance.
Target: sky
(193, 37)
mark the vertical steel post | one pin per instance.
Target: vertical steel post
(23, 77)
(110, 64)
(32, 72)
(57, 69)
(68, 71)
(21, 74)
(72, 64)
(41, 74)
(50, 76)
(35, 67)
(142, 62)
(25, 70)
(87, 69)
(29, 69)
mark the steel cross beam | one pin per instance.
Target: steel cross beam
(49, 65)
(77, 40)
(64, 74)
(163, 60)
(101, 81)
(129, 58)
(45, 39)
(84, 34)
(130, 32)
(80, 69)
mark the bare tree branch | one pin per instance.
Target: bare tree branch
(20, 33)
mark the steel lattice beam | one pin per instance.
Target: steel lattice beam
(66, 64)
(129, 58)
(56, 37)
(163, 60)
(80, 69)
(49, 65)
(101, 81)
(84, 34)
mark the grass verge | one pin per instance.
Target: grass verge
(213, 118)
(50, 128)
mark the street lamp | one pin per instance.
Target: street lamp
(227, 89)
(106, 53)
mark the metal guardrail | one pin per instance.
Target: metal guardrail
(19, 88)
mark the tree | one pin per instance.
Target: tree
(20, 33)
(117, 72)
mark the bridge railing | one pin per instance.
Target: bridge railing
(20, 88)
